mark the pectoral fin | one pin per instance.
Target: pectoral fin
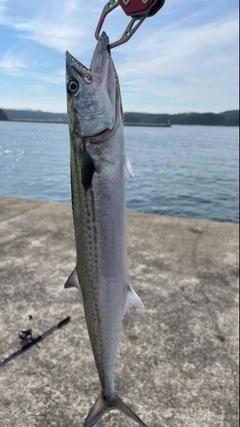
(88, 169)
(132, 300)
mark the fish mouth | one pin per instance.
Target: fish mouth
(81, 69)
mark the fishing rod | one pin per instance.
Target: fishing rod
(28, 341)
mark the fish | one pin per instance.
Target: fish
(99, 166)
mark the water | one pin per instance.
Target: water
(187, 171)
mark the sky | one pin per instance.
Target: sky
(185, 58)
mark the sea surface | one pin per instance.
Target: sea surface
(187, 171)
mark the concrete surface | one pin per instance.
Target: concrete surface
(178, 360)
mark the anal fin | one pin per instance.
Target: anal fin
(72, 281)
(132, 300)
(127, 167)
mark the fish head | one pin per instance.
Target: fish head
(92, 92)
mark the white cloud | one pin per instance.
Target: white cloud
(56, 77)
(3, 10)
(13, 63)
(3, 5)
(17, 64)
(166, 52)
(188, 66)
(185, 58)
(58, 25)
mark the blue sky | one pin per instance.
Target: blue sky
(185, 58)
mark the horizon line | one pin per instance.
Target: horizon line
(132, 112)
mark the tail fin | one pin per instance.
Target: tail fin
(101, 406)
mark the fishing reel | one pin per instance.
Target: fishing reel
(25, 336)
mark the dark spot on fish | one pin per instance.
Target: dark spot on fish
(87, 171)
(133, 337)
(221, 338)
(95, 234)
(196, 230)
(93, 207)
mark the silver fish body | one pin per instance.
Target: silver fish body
(98, 168)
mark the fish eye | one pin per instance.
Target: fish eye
(72, 86)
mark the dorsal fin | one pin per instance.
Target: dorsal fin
(72, 281)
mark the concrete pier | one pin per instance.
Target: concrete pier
(177, 364)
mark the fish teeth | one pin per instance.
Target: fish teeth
(78, 63)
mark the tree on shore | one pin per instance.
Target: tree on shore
(3, 115)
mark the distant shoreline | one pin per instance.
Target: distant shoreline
(37, 121)
(161, 125)
(227, 118)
